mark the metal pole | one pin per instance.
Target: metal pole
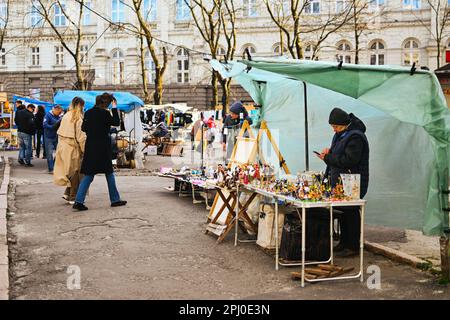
(305, 102)
(203, 172)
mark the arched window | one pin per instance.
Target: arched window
(183, 66)
(221, 51)
(250, 48)
(344, 52)
(149, 67)
(117, 67)
(280, 50)
(377, 53)
(411, 52)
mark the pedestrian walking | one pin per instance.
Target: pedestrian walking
(51, 123)
(98, 151)
(26, 128)
(70, 150)
(40, 114)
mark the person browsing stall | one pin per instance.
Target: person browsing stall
(51, 123)
(349, 153)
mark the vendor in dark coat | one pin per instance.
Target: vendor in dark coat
(349, 153)
(231, 126)
(98, 150)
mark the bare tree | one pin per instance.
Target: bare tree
(295, 23)
(160, 64)
(46, 9)
(438, 29)
(4, 20)
(144, 69)
(215, 19)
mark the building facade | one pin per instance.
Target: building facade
(33, 61)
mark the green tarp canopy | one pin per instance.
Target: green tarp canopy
(407, 123)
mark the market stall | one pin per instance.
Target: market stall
(129, 138)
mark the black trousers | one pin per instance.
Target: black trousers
(350, 227)
(39, 140)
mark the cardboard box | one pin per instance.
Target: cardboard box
(151, 150)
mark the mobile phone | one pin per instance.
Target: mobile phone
(318, 153)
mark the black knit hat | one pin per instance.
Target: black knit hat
(339, 117)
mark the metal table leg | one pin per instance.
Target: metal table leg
(361, 244)
(276, 236)
(331, 235)
(237, 218)
(303, 245)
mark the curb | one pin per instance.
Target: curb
(4, 263)
(396, 255)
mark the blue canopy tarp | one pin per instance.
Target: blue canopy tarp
(126, 101)
(48, 105)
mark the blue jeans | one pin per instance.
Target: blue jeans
(50, 146)
(86, 182)
(25, 147)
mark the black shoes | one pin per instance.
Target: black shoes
(338, 248)
(79, 207)
(347, 253)
(118, 203)
(29, 165)
(21, 162)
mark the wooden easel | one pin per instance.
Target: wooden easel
(222, 230)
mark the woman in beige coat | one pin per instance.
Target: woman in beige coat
(69, 153)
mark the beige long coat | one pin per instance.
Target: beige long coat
(69, 153)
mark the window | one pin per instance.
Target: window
(221, 51)
(150, 69)
(279, 50)
(312, 7)
(411, 52)
(183, 66)
(60, 18)
(59, 55)
(35, 56)
(150, 10)
(344, 52)
(3, 57)
(118, 67)
(3, 13)
(377, 53)
(249, 7)
(341, 6)
(411, 4)
(250, 48)
(117, 11)
(84, 53)
(309, 50)
(87, 13)
(376, 3)
(36, 19)
(183, 11)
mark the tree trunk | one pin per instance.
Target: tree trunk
(80, 76)
(225, 84)
(147, 98)
(215, 89)
(438, 58)
(157, 96)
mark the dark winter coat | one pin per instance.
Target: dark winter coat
(98, 151)
(39, 117)
(25, 122)
(349, 153)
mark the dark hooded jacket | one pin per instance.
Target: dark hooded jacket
(349, 153)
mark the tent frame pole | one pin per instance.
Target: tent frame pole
(305, 102)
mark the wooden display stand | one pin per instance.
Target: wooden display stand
(174, 148)
(222, 217)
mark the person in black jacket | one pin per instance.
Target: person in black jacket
(349, 153)
(98, 151)
(26, 128)
(40, 114)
